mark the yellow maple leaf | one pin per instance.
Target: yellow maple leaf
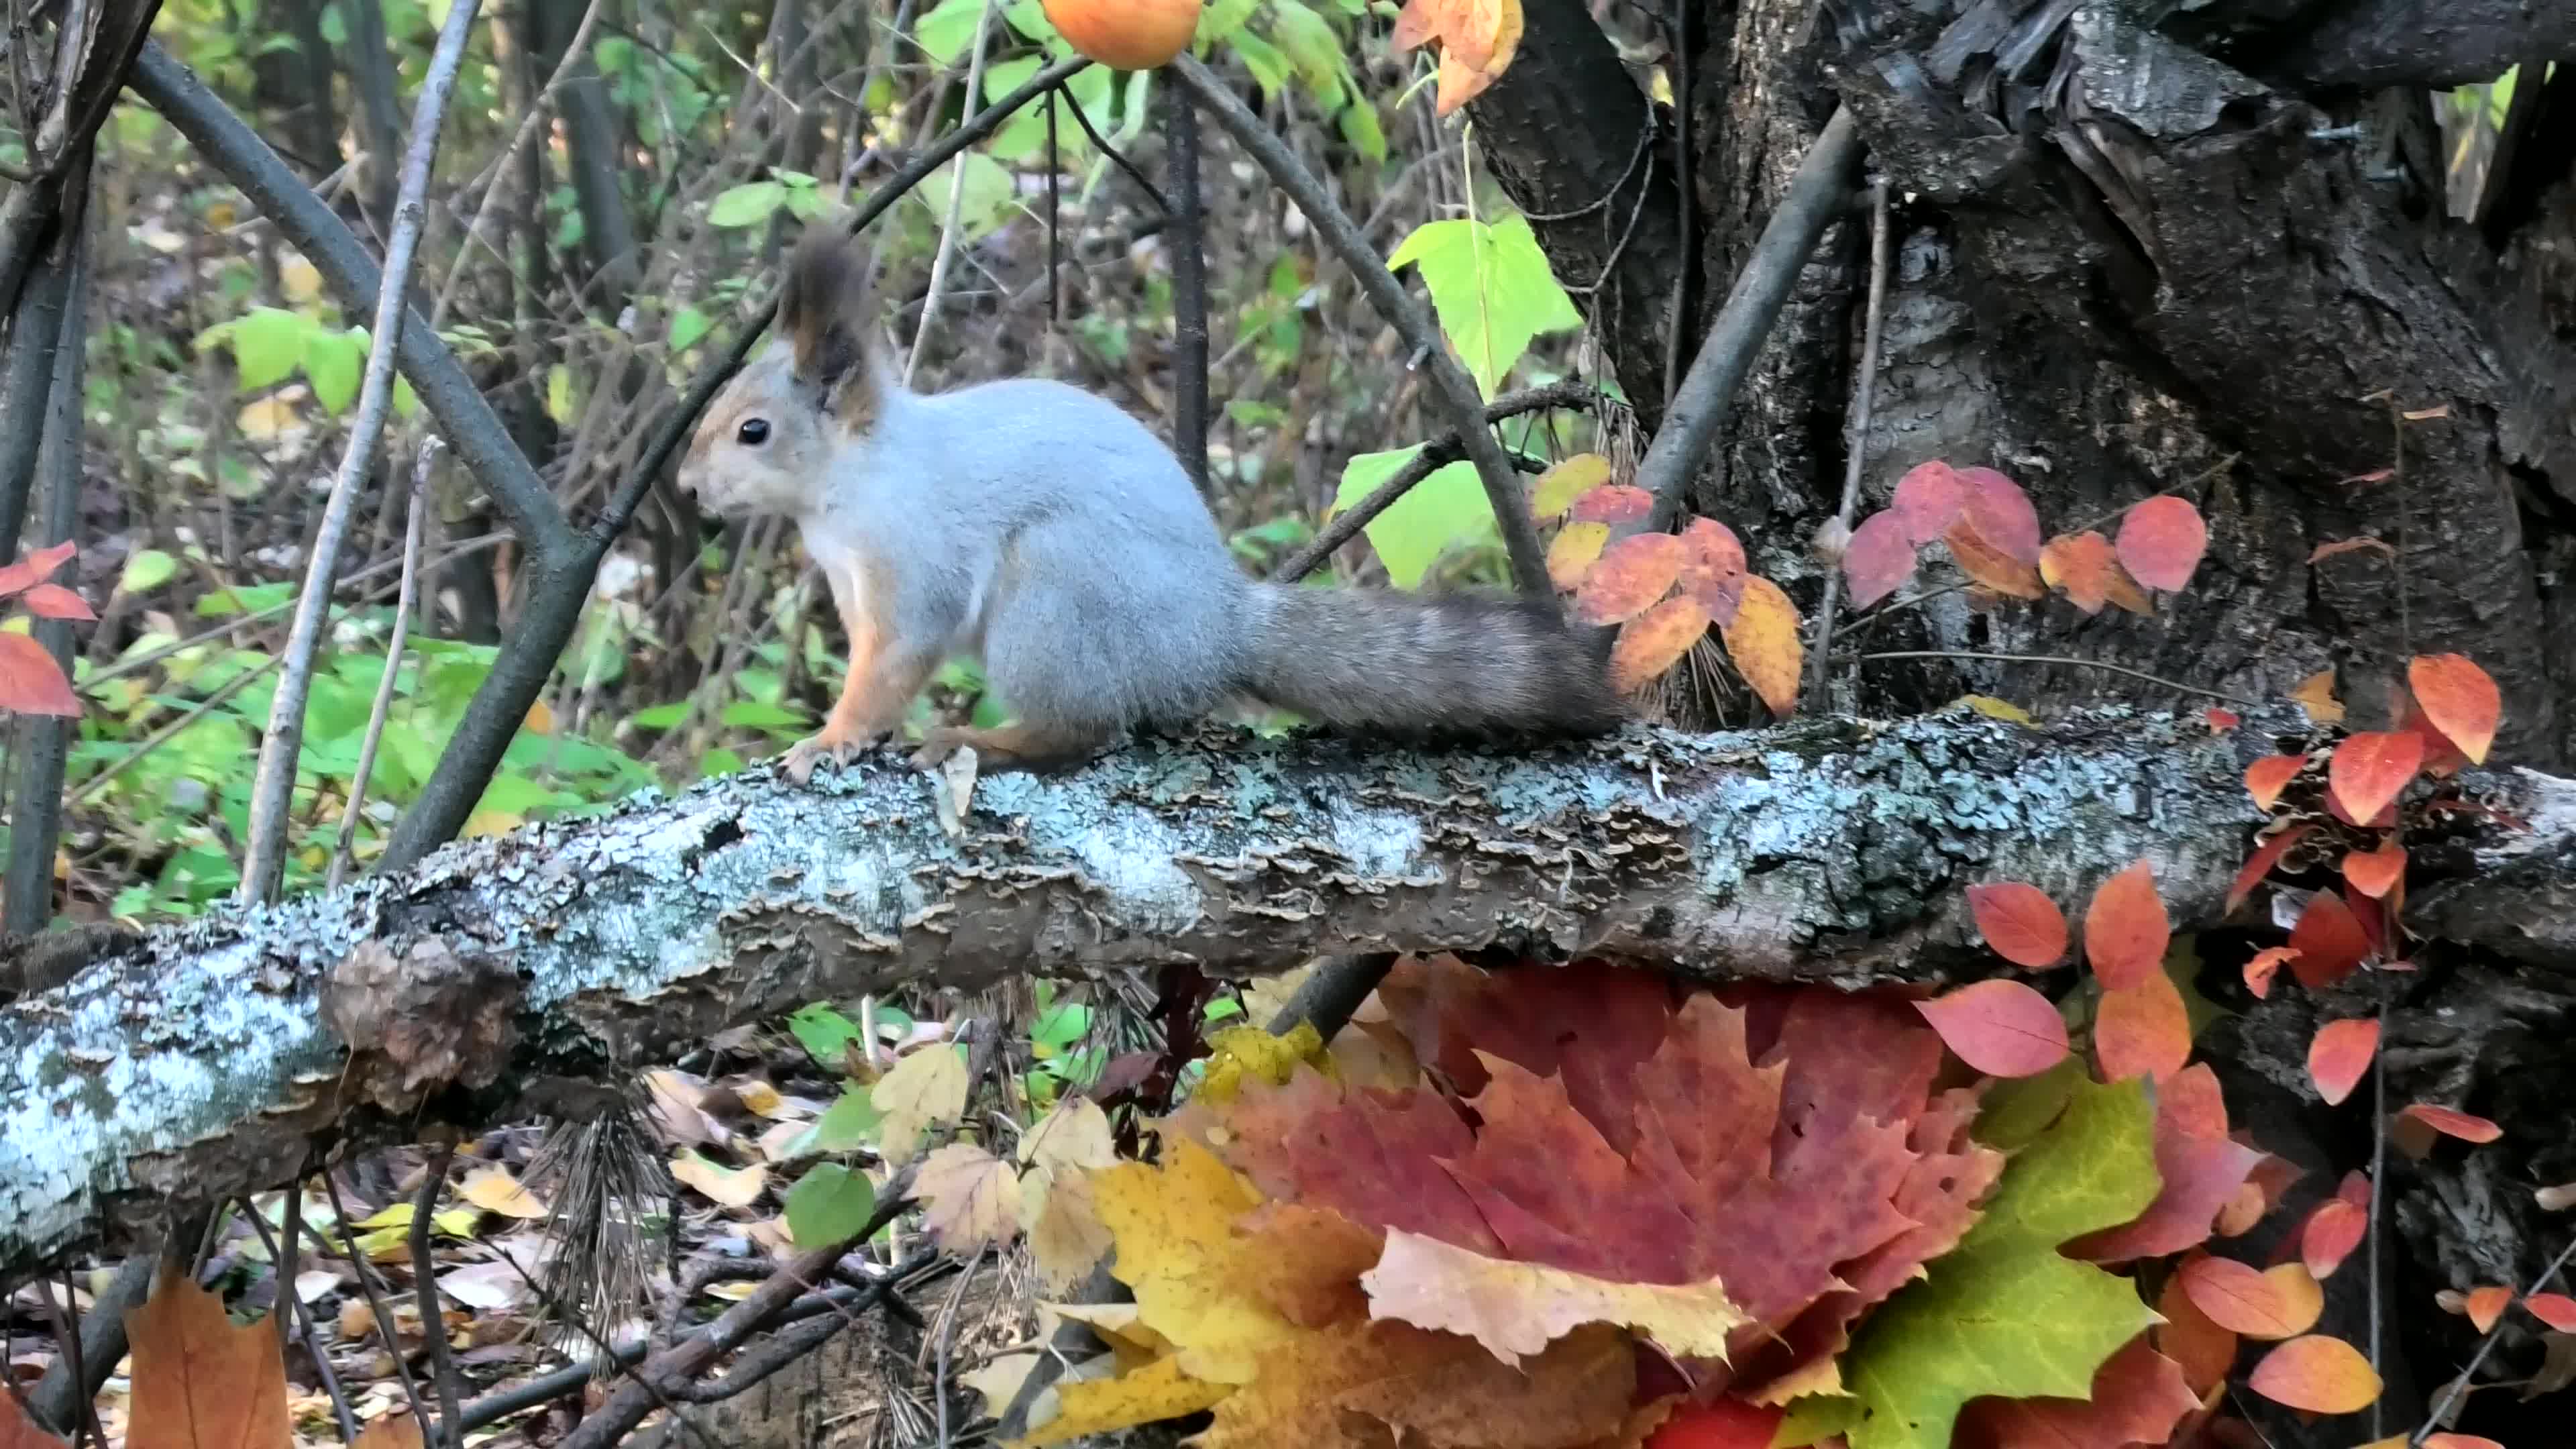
(968, 1196)
(494, 1190)
(926, 1089)
(1154, 1393)
(1241, 1049)
(1343, 1388)
(1518, 1309)
(1177, 1248)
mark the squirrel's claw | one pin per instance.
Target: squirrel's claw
(806, 753)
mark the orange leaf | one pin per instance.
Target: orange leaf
(2375, 873)
(1630, 576)
(1713, 568)
(2126, 930)
(391, 1431)
(2161, 541)
(1572, 553)
(2001, 1028)
(2142, 1030)
(1927, 501)
(1879, 559)
(1982, 561)
(2260, 863)
(53, 601)
(2555, 1309)
(2485, 1305)
(2020, 923)
(1763, 641)
(2084, 566)
(1650, 643)
(2459, 698)
(2328, 940)
(2339, 1054)
(17, 1431)
(2330, 1234)
(2274, 1303)
(2266, 778)
(2264, 966)
(2319, 1374)
(199, 1378)
(2222, 720)
(2448, 1440)
(2442, 759)
(1558, 487)
(18, 577)
(2452, 1123)
(2368, 771)
(2001, 516)
(2316, 693)
(31, 682)
(1612, 503)
(2206, 1351)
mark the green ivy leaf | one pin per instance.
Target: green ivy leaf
(829, 1204)
(335, 362)
(1492, 289)
(1447, 508)
(267, 344)
(824, 1032)
(2005, 1313)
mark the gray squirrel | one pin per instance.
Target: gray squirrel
(1045, 531)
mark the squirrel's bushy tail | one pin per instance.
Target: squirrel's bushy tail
(1425, 665)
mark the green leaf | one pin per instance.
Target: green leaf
(751, 714)
(989, 192)
(1492, 289)
(1221, 19)
(749, 204)
(688, 324)
(1360, 127)
(660, 716)
(846, 1126)
(830, 1204)
(267, 343)
(1271, 69)
(334, 363)
(1311, 45)
(1449, 507)
(948, 29)
(2004, 1313)
(1060, 1025)
(824, 1031)
(146, 570)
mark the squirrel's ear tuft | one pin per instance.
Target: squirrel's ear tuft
(824, 305)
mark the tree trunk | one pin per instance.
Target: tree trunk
(2213, 257)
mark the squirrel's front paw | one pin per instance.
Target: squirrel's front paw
(803, 755)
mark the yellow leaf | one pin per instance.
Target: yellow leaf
(969, 1197)
(1763, 642)
(926, 1089)
(484, 823)
(1573, 552)
(220, 214)
(998, 1382)
(1115, 1324)
(392, 1431)
(1345, 1388)
(2316, 692)
(1517, 1309)
(392, 1215)
(1062, 1220)
(1150, 1395)
(265, 418)
(494, 1190)
(1558, 487)
(1075, 1134)
(1993, 708)
(1174, 1227)
(299, 278)
(1241, 1049)
(732, 1186)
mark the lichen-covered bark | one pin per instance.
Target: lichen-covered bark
(206, 1059)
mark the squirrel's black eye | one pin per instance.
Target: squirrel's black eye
(754, 431)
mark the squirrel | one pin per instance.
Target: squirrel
(1044, 530)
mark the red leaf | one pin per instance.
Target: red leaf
(2447, 1440)
(1611, 503)
(2318, 1374)
(2201, 1168)
(2266, 964)
(53, 601)
(2339, 1054)
(2020, 923)
(1725, 1424)
(2281, 1302)
(2330, 1234)
(2355, 1189)
(2139, 1395)
(2222, 720)
(19, 576)
(2328, 940)
(30, 681)
(1632, 574)
(1879, 559)
(2555, 1309)
(2442, 759)
(2267, 777)
(2460, 700)
(2368, 771)
(2161, 541)
(2001, 514)
(1712, 569)
(1927, 500)
(2001, 1028)
(2205, 1351)
(2486, 1305)
(2126, 930)
(2452, 1123)
(2375, 873)
(2260, 863)
(2142, 1030)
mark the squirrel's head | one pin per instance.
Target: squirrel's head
(767, 441)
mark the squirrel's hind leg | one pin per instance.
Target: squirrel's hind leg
(1034, 748)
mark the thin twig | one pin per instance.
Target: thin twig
(1450, 383)
(295, 1315)
(538, 109)
(2378, 1174)
(405, 600)
(948, 228)
(366, 1272)
(1188, 241)
(424, 1282)
(1118, 158)
(273, 792)
(2138, 674)
(2460, 1385)
(1858, 453)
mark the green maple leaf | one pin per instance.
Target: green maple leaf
(2004, 1313)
